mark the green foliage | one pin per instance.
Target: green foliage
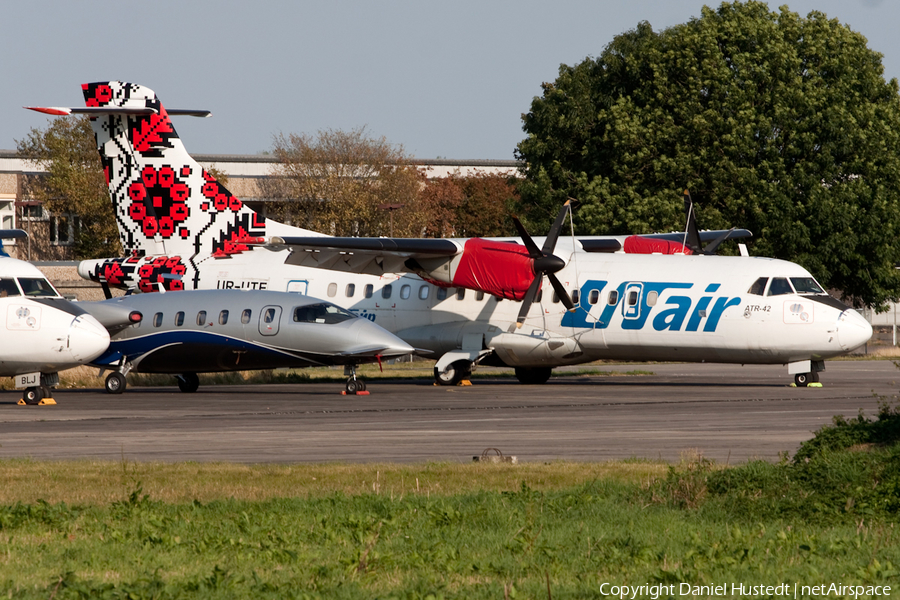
(74, 182)
(846, 433)
(780, 124)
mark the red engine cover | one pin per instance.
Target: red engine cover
(636, 244)
(502, 269)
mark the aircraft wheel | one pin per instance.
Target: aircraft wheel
(46, 392)
(454, 373)
(533, 375)
(32, 395)
(362, 385)
(804, 379)
(188, 383)
(115, 383)
(353, 386)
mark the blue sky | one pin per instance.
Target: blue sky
(442, 79)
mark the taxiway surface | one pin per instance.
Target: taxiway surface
(726, 412)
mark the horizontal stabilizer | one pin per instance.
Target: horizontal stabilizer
(63, 111)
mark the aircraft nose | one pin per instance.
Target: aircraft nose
(88, 339)
(852, 331)
(372, 335)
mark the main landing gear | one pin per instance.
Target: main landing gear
(454, 373)
(38, 395)
(354, 386)
(188, 382)
(805, 379)
(533, 375)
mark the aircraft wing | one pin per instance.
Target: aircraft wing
(374, 256)
(617, 243)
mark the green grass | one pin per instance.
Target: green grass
(132, 530)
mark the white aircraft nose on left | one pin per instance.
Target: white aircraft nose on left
(853, 330)
(87, 339)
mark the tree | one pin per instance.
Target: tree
(780, 124)
(339, 181)
(474, 205)
(73, 182)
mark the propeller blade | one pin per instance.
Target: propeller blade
(532, 248)
(528, 300)
(553, 234)
(561, 292)
(710, 248)
(693, 235)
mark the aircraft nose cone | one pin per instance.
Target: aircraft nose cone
(88, 339)
(372, 335)
(852, 331)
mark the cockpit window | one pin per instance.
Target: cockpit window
(328, 314)
(37, 286)
(8, 288)
(780, 287)
(759, 286)
(806, 285)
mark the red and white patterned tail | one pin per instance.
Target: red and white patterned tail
(165, 202)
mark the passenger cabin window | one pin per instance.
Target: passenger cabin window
(386, 291)
(575, 296)
(594, 296)
(539, 297)
(179, 318)
(806, 285)
(423, 292)
(460, 293)
(245, 316)
(351, 289)
(404, 292)
(36, 287)
(633, 298)
(157, 319)
(780, 287)
(201, 318)
(268, 316)
(613, 297)
(8, 288)
(554, 298)
(329, 314)
(332, 290)
(652, 297)
(367, 291)
(759, 286)
(223, 317)
(442, 293)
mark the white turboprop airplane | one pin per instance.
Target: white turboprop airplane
(42, 332)
(633, 298)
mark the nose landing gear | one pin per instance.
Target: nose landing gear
(354, 386)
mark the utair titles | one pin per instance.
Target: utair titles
(657, 590)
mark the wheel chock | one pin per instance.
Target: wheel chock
(362, 393)
(816, 384)
(464, 383)
(21, 402)
(46, 402)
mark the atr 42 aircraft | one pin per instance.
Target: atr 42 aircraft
(207, 331)
(466, 301)
(43, 333)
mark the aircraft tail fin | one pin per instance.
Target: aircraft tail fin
(165, 203)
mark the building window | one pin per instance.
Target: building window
(7, 217)
(63, 229)
(33, 212)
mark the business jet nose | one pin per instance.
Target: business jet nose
(852, 330)
(373, 336)
(88, 339)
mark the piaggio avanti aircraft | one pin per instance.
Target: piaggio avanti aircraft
(464, 301)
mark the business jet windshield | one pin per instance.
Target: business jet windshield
(326, 313)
